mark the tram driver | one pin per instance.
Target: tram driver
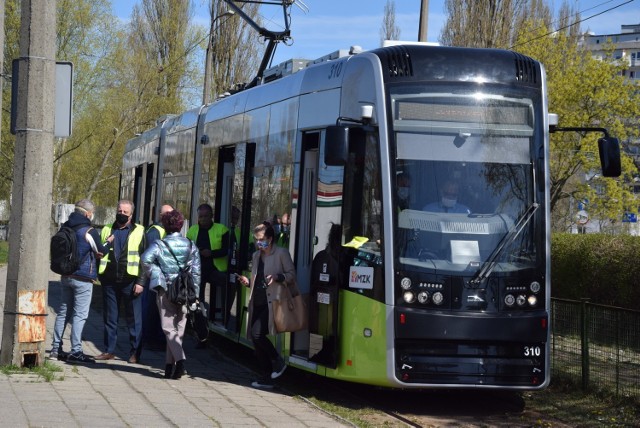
(448, 202)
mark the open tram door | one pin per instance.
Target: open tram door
(143, 192)
(319, 210)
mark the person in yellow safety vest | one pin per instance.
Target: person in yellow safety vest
(212, 239)
(152, 335)
(122, 280)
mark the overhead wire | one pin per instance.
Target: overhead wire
(577, 22)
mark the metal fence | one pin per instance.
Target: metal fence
(596, 346)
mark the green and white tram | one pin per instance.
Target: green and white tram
(427, 287)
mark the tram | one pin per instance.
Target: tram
(429, 168)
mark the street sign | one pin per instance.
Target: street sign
(582, 217)
(630, 218)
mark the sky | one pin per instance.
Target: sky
(319, 27)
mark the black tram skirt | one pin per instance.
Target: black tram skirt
(471, 349)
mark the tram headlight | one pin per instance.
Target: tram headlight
(509, 300)
(532, 300)
(409, 297)
(521, 300)
(405, 283)
(423, 297)
(534, 287)
(437, 298)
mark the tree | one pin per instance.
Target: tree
(584, 91)
(11, 51)
(389, 30)
(481, 23)
(148, 68)
(236, 49)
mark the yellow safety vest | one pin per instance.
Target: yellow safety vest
(133, 245)
(160, 229)
(215, 240)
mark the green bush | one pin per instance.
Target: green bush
(600, 267)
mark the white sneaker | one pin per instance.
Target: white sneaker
(280, 367)
(262, 384)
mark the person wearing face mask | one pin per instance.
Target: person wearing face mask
(212, 240)
(285, 231)
(122, 281)
(76, 289)
(270, 264)
(448, 202)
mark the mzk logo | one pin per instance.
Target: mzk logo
(361, 277)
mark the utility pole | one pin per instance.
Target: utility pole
(424, 18)
(25, 310)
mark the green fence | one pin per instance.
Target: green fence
(596, 346)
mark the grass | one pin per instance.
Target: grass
(46, 371)
(4, 252)
(566, 402)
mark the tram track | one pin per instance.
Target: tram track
(369, 406)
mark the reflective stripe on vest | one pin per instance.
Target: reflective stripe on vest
(133, 244)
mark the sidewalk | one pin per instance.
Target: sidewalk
(215, 392)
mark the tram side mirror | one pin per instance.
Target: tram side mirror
(336, 148)
(609, 149)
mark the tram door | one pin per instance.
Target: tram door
(324, 271)
(305, 234)
(222, 295)
(143, 193)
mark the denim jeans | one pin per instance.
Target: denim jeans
(113, 294)
(76, 298)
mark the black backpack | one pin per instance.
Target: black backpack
(63, 251)
(182, 290)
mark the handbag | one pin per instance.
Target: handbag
(289, 313)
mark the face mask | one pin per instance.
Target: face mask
(263, 244)
(403, 193)
(449, 203)
(122, 218)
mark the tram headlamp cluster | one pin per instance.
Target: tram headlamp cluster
(519, 296)
(421, 295)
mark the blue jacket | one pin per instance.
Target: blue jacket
(88, 270)
(159, 266)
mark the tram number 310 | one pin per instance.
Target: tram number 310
(532, 351)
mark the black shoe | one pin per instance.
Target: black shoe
(59, 355)
(80, 358)
(179, 370)
(202, 344)
(168, 371)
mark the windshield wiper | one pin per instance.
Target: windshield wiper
(508, 238)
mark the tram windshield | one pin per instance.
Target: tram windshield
(464, 178)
